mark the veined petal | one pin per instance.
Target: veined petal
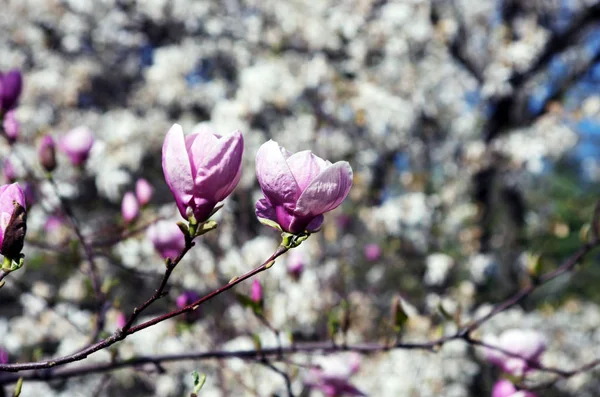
(326, 191)
(274, 176)
(219, 173)
(176, 167)
(199, 146)
(305, 167)
(266, 213)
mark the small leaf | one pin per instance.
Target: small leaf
(18, 387)
(333, 323)
(246, 301)
(199, 381)
(257, 342)
(398, 314)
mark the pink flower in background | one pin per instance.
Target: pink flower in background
(143, 191)
(121, 320)
(332, 375)
(12, 220)
(77, 144)
(47, 153)
(504, 388)
(11, 126)
(3, 356)
(299, 188)
(167, 238)
(256, 294)
(130, 208)
(296, 261)
(527, 344)
(10, 175)
(186, 298)
(201, 169)
(372, 252)
(11, 85)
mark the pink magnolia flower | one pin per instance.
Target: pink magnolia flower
(256, 293)
(296, 261)
(186, 298)
(527, 344)
(201, 169)
(121, 320)
(3, 356)
(11, 126)
(372, 252)
(9, 171)
(332, 376)
(11, 85)
(12, 220)
(47, 153)
(504, 388)
(130, 208)
(77, 144)
(167, 238)
(143, 191)
(299, 188)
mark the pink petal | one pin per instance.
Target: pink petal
(327, 190)
(176, 168)
(220, 171)
(305, 167)
(503, 388)
(199, 146)
(274, 176)
(266, 213)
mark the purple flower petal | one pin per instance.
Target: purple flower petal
(327, 190)
(274, 176)
(305, 167)
(177, 169)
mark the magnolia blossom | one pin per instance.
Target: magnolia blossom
(372, 252)
(47, 153)
(299, 188)
(12, 220)
(3, 356)
(332, 375)
(130, 208)
(256, 293)
(10, 174)
(77, 144)
(296, 261)
(504, 388)
(167, 238)
(201, 169)
(527, 344)
(143, 191)
(11, 126)
(11, 84)
(186, 298)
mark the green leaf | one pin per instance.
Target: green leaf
(199, 381)
(246, 301)
(18, 387)
(399, 316)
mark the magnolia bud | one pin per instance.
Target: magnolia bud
(13, 218)
(47, 153)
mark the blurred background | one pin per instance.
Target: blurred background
(472, 128)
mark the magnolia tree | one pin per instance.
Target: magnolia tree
(427, 232)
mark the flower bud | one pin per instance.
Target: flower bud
(201, 169)
(11, 126)
(3, 356)
(256, 294)
(143, 191)
(11, 85)
(77, 144)
(186, 298)
(167, 238)
(13, 217)
(130, 209)
(47, 153)
(296, 261)
(299, 188)
(372, 252)
(121, 320)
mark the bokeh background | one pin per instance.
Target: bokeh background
(472, 128)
